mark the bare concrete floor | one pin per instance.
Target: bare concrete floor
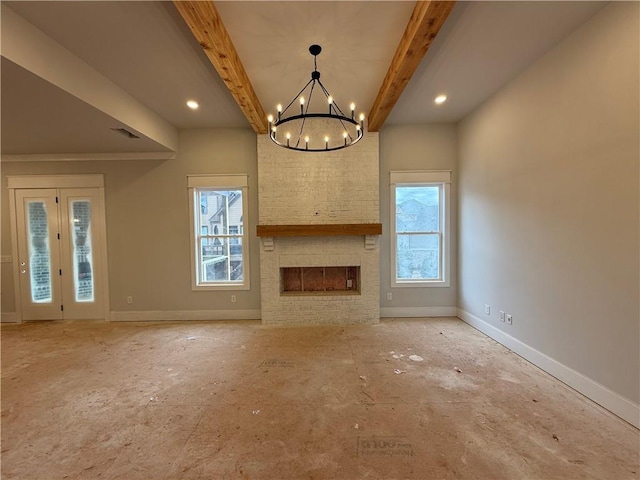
(235, 400)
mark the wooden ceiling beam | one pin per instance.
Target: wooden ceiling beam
(425, 23)
(205, 23)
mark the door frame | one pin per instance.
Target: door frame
(57, 181)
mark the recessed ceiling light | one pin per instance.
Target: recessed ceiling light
(192, 104)
(440, 99)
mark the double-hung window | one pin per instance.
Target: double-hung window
(420, 228)
(219, 242)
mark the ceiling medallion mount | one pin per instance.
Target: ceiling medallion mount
(315, 131)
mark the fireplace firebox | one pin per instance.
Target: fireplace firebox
(320, 280)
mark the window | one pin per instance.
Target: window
(420, 228)
(219, 244)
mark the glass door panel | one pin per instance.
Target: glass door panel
(39, 270)
(80, 212)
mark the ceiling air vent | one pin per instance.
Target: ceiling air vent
(125, 132)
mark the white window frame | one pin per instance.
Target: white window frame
(217, 182)
(423, 178)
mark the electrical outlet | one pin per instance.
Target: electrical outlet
(233, 299)
(389, 296)
(501, 316)
(487, 309)
(129, 300)
(509, 319)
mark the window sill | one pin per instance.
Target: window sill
(219, 287)
(421, 284)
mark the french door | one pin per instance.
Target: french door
(61, 259)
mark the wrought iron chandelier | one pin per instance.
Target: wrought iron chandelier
(311, 131)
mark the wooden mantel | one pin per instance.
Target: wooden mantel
(319, 230)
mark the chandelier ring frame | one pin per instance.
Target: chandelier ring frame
(342, 118)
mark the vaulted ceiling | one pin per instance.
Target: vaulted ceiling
(74, 71)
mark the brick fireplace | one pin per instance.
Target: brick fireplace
(319, 222)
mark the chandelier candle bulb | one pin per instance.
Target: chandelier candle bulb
(288, 138)
(301, 105)
(306, 141)
(326, 143)
(353, 110)
(279, 108)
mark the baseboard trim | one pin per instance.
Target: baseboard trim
(409, 312)
(616, 404)
(180, 315)
(10, 317)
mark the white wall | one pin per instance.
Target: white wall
(148, 227)
(549, 210)
(416, 147)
